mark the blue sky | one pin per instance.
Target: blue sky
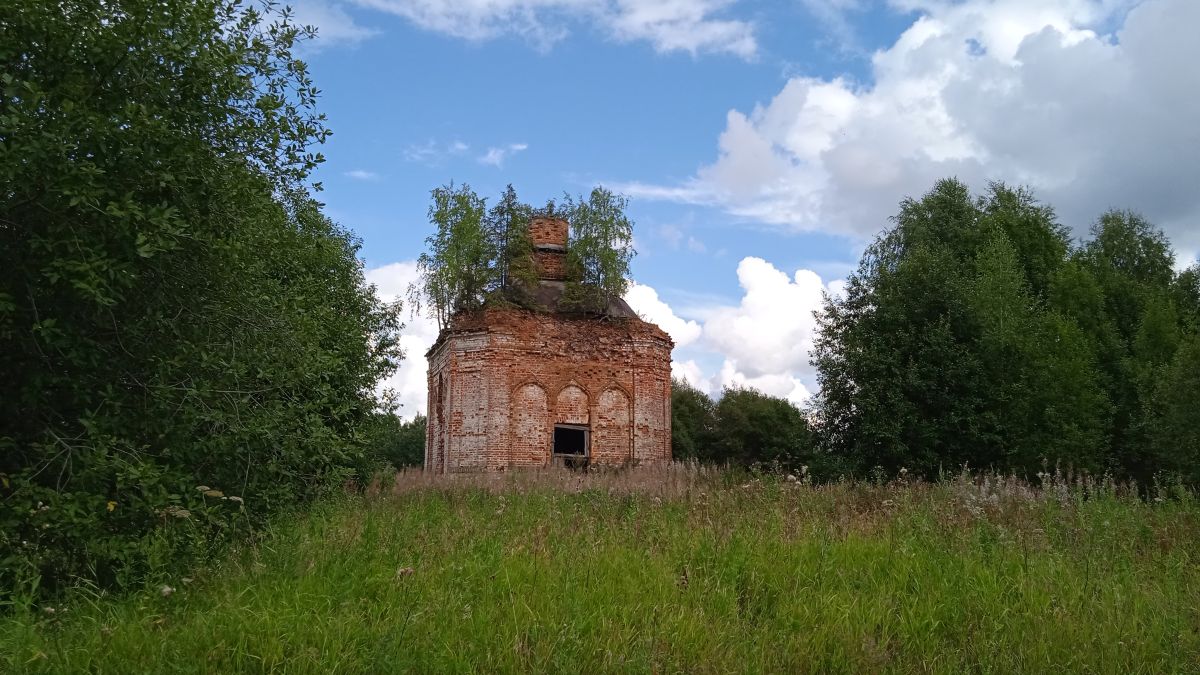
(762, 144)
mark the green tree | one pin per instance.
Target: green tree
(1133, 265)
(1185, 293)
(600, 250)
(477, 256)
(460, 267)
(751, 427)
(692, 423)
(1172, 418)
(943, 351)
(401, 443)
(189, 343)
(507, 225)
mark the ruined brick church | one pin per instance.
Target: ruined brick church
(513, 387)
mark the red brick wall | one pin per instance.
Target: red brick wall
(571, 406)
(548, 231)
(551, 265)
(611, 433)
(531, 426)
(513, 374)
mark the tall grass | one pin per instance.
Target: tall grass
(679, 569)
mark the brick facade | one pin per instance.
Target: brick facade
(502, 379)
(548, 232)
(552, 265)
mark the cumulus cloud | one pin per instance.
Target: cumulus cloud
(645, 301)
(1025, 91)
(689, 371)
(763, 342)
(783, 385)
(691, 26)
(495, 156)
(409, 381)
(766, 339)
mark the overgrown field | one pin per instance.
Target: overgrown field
(677, 570)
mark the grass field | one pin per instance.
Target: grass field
(669, 570)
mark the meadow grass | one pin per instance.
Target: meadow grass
(668, 570)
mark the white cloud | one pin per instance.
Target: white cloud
(690, 26)
(1026, 91)
(783, 385)
(433, 153)
(764, 341)
(495, 156)
(689, 371)
(832, 14)
(682, 25)
(675, 238)
(423, 152)
(362, 174)
(334, 25)
(420, 332)
(645, 301)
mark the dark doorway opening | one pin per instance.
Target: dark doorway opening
(571, 445)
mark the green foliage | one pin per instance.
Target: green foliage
(508, 226)
(1172, 417)
(478, 256)
(944, 353)
(458, 269)
(398, 442)
(1185, 293)
(744, 427)
(681, 575)
(190, 345)
(691, 422)
(972, 333)
(600, 250)
(754, 428)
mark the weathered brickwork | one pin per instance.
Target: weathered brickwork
(551, 265)
(548, 232)
(501, 380)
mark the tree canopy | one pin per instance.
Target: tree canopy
(600, 250)
(744, 427)
(478, 256)
(189, 343)
(975, 333)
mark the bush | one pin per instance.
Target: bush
(399, 443)
(190, 345)
(744, 427)
(691, 422)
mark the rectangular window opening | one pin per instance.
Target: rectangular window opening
(571, 445)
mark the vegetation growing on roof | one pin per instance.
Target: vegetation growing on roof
(478, 256)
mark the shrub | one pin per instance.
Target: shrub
(190, 345)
